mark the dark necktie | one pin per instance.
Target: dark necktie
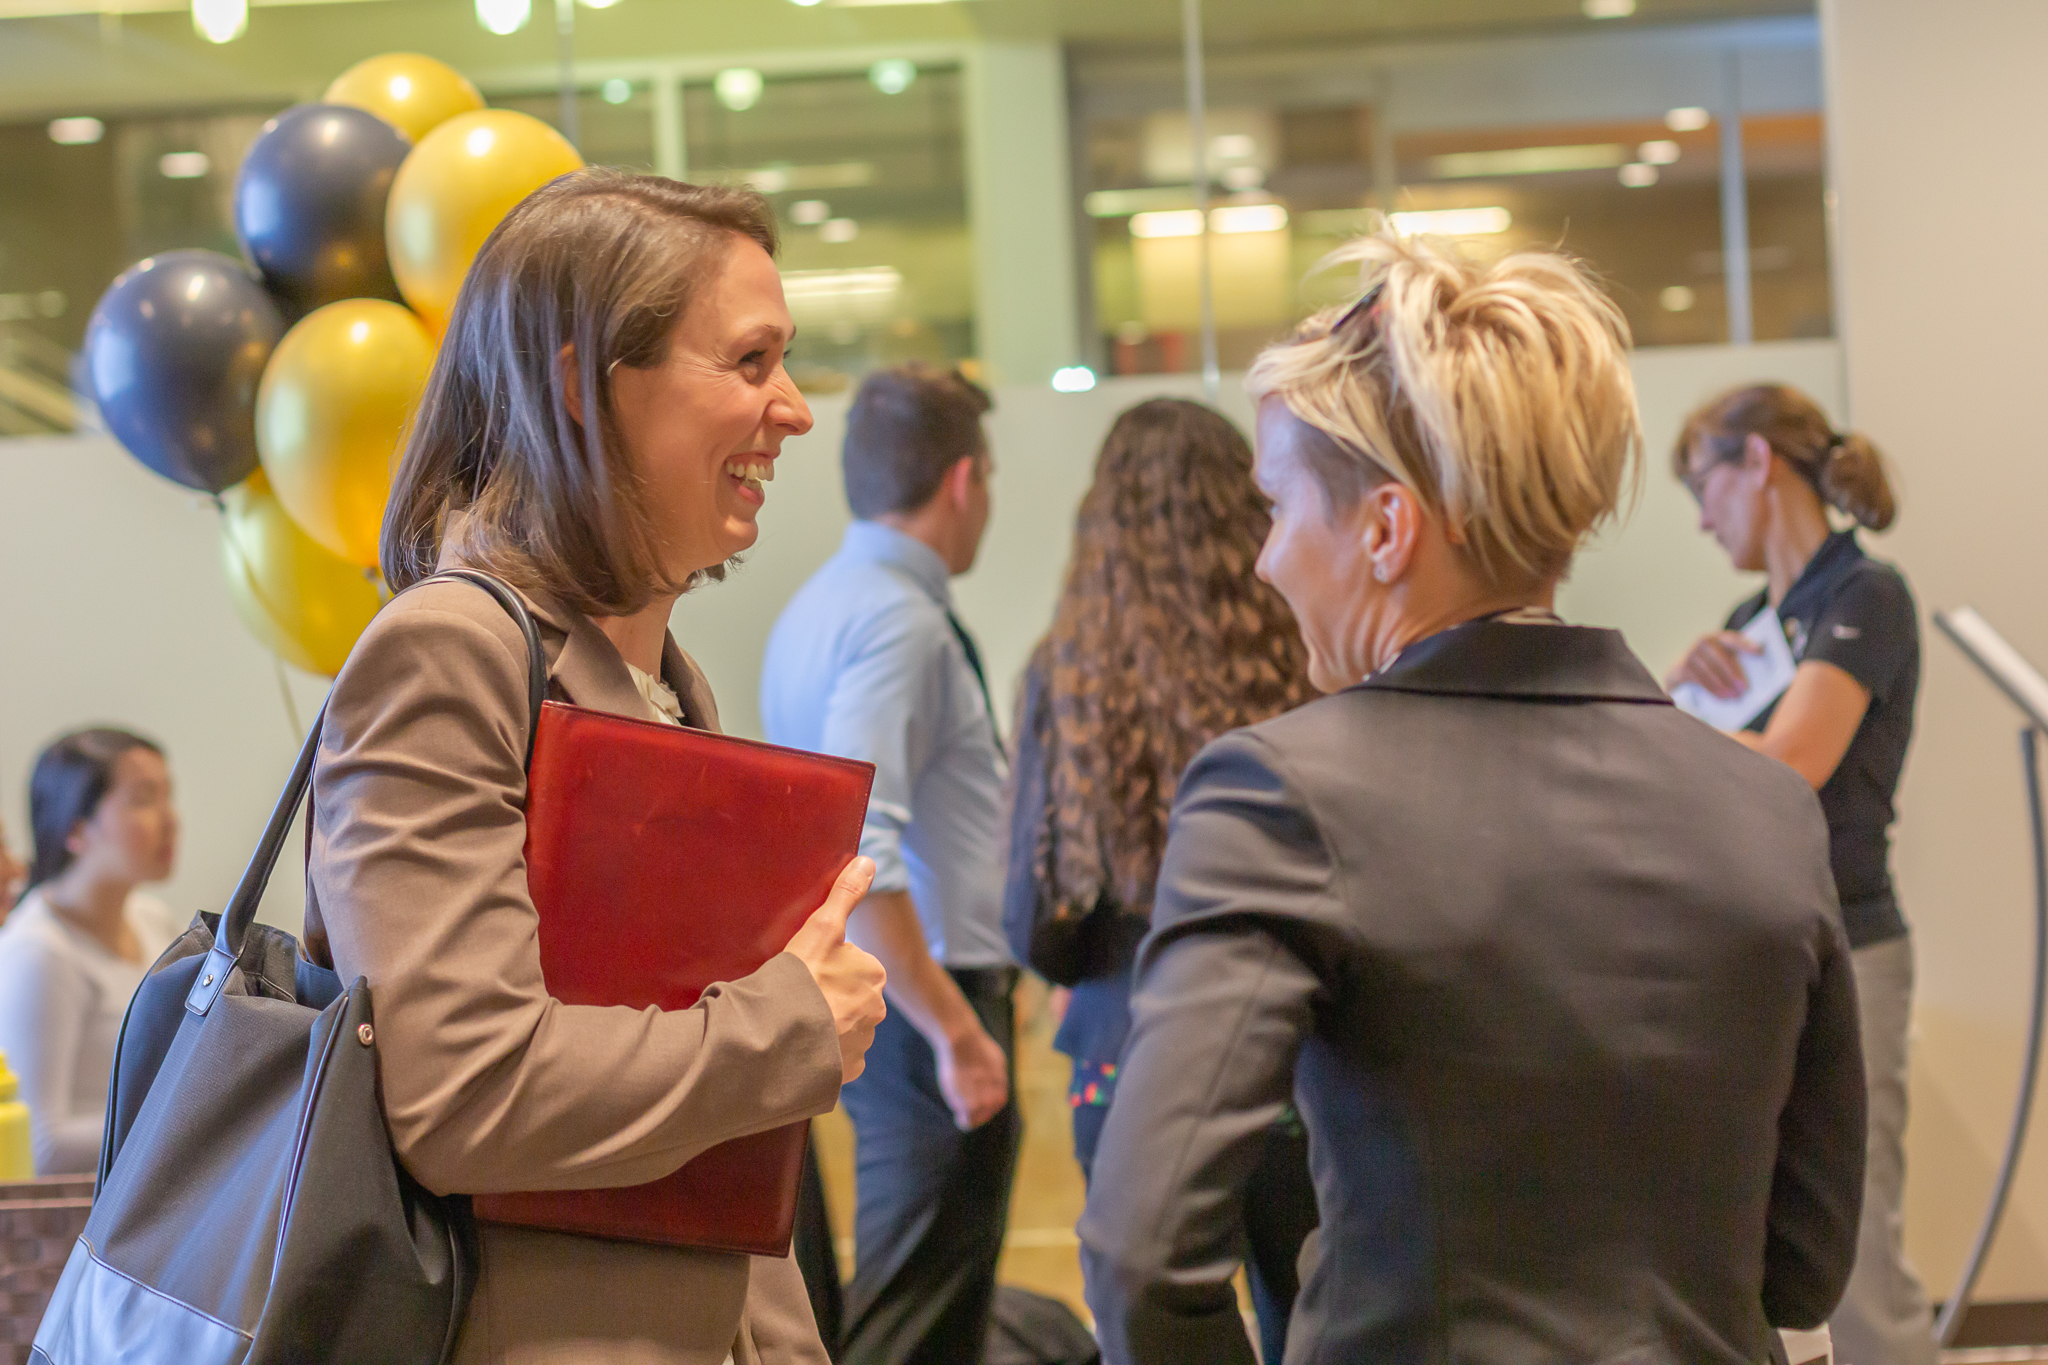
(974, 662)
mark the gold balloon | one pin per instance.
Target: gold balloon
(452, 190)
(330, 413)
(300, 602)
(413, 94)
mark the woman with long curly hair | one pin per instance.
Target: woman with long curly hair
(1162, 640)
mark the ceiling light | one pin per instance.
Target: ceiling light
(220, 21)
(1659, 153)
(1689, 119)
(1167, 223)
(1234, 147)
(1594, 156)
(599, 4)
(1073, 379)
(1636, 175)
(184, 165)
(74, 132)
(809, 212)
(892, 75)
(838, 231)
(1607, 9)
(738, 87)
(1248, 218)
(811, 284)
(1453, 222)
(616, 91)
(1677, 299)
(503, 16)
(805, 3)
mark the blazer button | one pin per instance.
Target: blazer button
(366, 1034)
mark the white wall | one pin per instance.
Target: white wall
(1941, 288)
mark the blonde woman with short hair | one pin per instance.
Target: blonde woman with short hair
(1552, 971)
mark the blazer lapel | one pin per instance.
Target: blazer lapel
(692, 688)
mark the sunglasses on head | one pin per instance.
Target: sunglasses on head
(1360, 309)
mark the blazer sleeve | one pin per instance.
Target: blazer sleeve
(1817, 1188)
(416, 864)
(1227, 985)
(778, 1318)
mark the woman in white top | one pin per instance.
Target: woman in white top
(82, 937)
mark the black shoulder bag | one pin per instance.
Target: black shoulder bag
(250, 1209)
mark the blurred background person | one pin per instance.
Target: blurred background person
(82, 936)
(1553, 972)
(1161, 641)
(869, 660)
(1766, 466)
(13, 872)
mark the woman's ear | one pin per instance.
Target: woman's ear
(1756, 457)
(74, 842)
(1391, 523)
(569, 378)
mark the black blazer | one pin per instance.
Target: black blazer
(1557, 979)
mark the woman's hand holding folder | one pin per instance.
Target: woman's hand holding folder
(850, 979)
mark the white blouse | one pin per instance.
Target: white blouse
(62, 999)
(660, 697)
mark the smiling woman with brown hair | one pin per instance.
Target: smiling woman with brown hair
(607, 405)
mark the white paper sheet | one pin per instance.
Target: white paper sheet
(1769, 674)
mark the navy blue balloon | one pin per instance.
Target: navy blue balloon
(173, 355)
(309, 204)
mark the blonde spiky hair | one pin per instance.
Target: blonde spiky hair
(1499, 393)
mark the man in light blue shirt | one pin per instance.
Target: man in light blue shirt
(869, 661)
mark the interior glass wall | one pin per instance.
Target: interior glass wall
(1306, 151)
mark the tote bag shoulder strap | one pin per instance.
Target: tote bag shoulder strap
(241, 909)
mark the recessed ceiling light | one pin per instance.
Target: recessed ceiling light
(1677, 298)
(1607, 9)
(184, 165)
(738, 88)
(1248, 218)
(892, 75)
(1234, 147)
(1659, 153)
(1167, 223)
(1636, 175)
(1453, 222)
(1689, 119)
(838, 231)
(1073, 379)
(809, 212)
(616, 91)
(220, 21)
(75, 132)
(503, 16)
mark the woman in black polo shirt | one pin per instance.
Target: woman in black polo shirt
(1766, 467)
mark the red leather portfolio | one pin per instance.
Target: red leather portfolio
(662, 859)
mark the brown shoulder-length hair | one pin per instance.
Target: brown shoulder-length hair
(601, 261)
(1162, 640)
(1844, 467)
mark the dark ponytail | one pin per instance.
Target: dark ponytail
(70, 779)
(1845, 470)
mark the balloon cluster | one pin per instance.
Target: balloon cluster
(284, 385)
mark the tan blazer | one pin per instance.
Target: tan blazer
(416, 881)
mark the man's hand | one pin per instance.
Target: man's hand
(850, 979)
(974, 1076)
